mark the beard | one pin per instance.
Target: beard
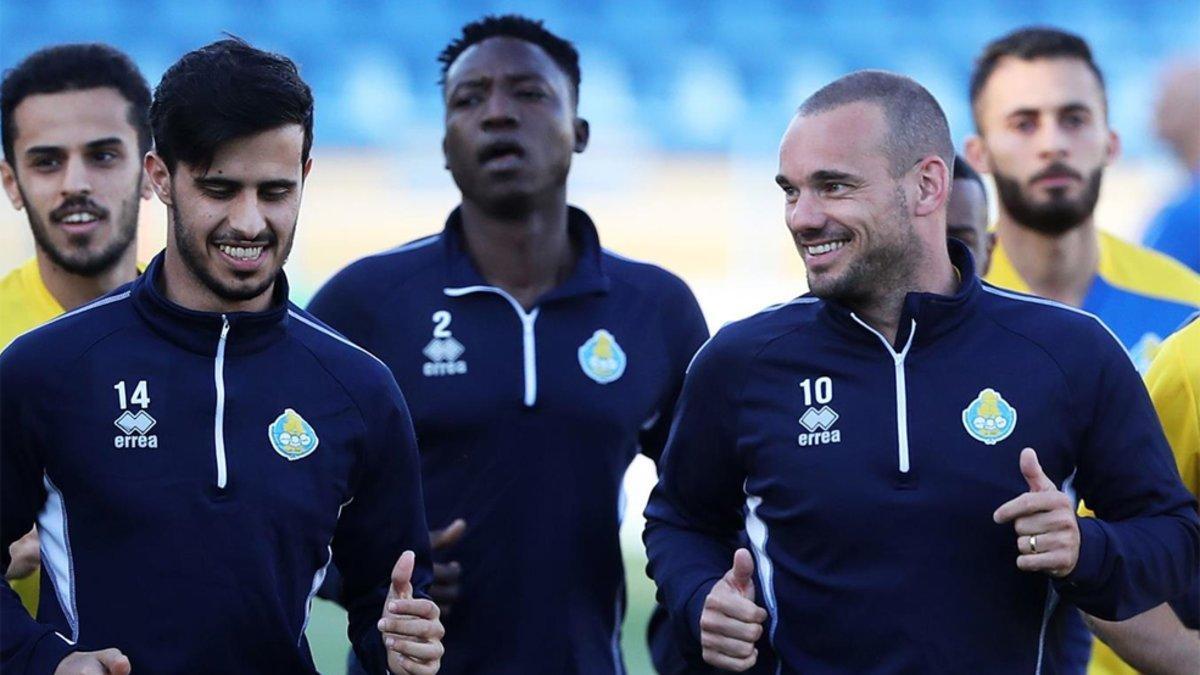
(193, 255)
(1057, 215)
(892, 263)
(81, 261)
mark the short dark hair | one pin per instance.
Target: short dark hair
(224, 91)
(74, 67)
(917, 126)
(1028, 44)
(520, 27)
(963, 171)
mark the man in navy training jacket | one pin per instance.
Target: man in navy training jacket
(250, 445)
(537, 364)
(900, 439)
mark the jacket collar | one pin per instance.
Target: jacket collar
(586, 278)
(932, 313)
(200, 332)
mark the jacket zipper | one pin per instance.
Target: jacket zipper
(219, 418)
(528, 339)
(901, 389)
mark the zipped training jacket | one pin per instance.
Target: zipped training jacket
(192, 475)
(866, 472)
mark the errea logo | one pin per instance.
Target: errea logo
(443, 351)
(818, 421)
(134, 426)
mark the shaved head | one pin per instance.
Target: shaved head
(917, 126)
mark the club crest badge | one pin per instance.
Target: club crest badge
(989, 418)
(601, 358)
(291, 436)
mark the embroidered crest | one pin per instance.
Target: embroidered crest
(601, 358)
(989, 418)
(291, 436)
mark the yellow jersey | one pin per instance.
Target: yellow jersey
(25, 303)
(1174, 384)
(1142, 295)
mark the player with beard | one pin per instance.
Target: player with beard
(196, 427)
(895, 443)
(536, 362)
(1041, 117)
(74, 120)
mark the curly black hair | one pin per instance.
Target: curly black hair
(522, 28)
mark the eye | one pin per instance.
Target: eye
(45, 163)
(834, 188)
(465, 100)
(104, 156)
(220, 193)
(531, 94)
(1074, 120)
(1025, 125)
(790, 193)
(275, 194)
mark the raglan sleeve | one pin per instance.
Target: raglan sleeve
(26, 646)
(1143, 546)
(339, 304)
(694, 514)
(685, 330)
(385, 517)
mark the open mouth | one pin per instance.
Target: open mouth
(243, 252)
(78, 217)
(824, 248)
(501, 150)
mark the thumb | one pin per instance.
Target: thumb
(402, 575)
(1032, 470)
(449, 535)
(741, 575)
(113, 661)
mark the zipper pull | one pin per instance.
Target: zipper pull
(224, 327)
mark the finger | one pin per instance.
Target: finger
(418, 608)
(401, 628)
(422, 651)
(741, 575)
(738, 649)
(449, 535)
(1029, 504)
(1052, 562)
(730, 663)
(734, 607)
(402, 575)
(1044, 521)
(444, 573)
(1031, 469)
(1046, 542)
(114, 661)
(723, 626)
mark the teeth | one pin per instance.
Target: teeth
(76, 218)
(242, 252)
(824, 248)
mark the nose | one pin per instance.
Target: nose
(805, 215)
(1052, 142)
(76, 179)
(498, 112)
(246, 217)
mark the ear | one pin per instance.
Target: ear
(990, 243)
(1114, 147)
(10, 185)
(160, 177)
(445, 154)
(933, 185)
(583, 132)
(977, 154)
(307, 168)
(145, 190)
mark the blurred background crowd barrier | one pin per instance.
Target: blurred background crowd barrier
(687, 100)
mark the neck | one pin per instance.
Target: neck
(1058, 267)
(934, 274)
(73, 290)
(525, 256)
(181, 287)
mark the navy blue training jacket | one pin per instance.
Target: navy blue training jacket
(527, 421)
(866, 475)
(191, 476)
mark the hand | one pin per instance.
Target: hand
(445, 575)
(731, 623)
(104, 662)
(412, 632)
(26, 556)
(1044, 518)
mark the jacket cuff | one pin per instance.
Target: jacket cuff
(48, 652)
(1093, 547)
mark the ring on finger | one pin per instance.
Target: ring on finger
(1033, 543)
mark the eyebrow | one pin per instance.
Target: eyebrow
(57, 149)
(231, 184)
(1072, 106)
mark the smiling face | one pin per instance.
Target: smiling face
(511, 126)
(78, 174)
(848, 216)
(1045, 138)
(232, 226)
